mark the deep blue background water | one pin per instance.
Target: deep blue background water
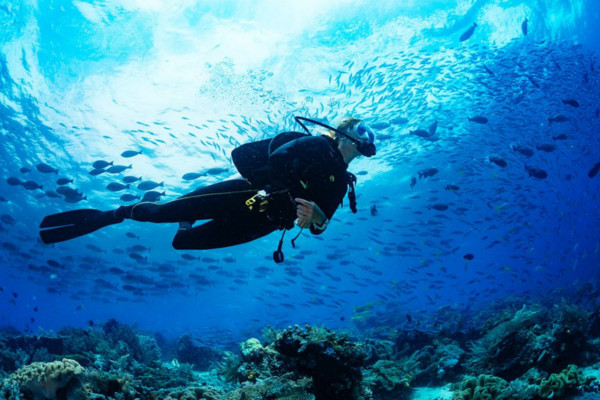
(185, 83)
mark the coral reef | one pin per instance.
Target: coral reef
(505, 349)
(388, 379)
(194, 393)
(484, 387)
(532, 386)
(10, 389)
(376, 349)
(441, 362)
(532, 337)
(123, 340)
(254, 362)
(285, 387)
(557, 385)
(44, 380)
(189, 351)
(252, 349)
(331, 360)
(529, 352)
(107, 384)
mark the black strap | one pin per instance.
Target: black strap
(278, 254)
(312, 121)
(352, 192)
(296, 237)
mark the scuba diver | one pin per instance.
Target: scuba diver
(293, 177)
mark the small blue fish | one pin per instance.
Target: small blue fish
(31, 185)
(67, 191)
(149, 185)
(546, 147)
(97, 171)
(190, 176)
(131, 179)
(12, 181)
(115, 186)
(468, 33)
(536, 172)
(498, 161)
(46, 169)
(64, 181)
(439, 207)
(115, 169)
(526, 151)
(479, 119)
(571, 102)
(427, 172)
(138, 248)
(130, 153)
(152, 195)
(216, 170)
(558, 118)
(101, 164)
(129, 197)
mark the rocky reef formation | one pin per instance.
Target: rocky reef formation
(528, 352)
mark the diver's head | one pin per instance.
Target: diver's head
(359, 134)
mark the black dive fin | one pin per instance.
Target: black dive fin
(69, 218)
(72, 224)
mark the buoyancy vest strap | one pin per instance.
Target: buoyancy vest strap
(352, 192)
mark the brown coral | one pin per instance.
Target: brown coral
(44, 379)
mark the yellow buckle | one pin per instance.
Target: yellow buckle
(251, 201)
(262, 204)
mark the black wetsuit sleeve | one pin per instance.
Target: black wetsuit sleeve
(313, 170)
(327, 195)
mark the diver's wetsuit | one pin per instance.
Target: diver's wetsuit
(310, 167)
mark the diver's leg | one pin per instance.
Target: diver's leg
(224, 232)
(207, 202)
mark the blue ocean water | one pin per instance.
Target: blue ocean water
(185, 82)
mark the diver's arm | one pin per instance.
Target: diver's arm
(310, 216)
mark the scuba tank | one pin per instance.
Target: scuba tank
(252, 159)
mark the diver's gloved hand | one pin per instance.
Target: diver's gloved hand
(308, 213)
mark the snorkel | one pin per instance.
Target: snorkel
(362, 130)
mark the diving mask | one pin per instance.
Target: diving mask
(363, 132)
(363, 139)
